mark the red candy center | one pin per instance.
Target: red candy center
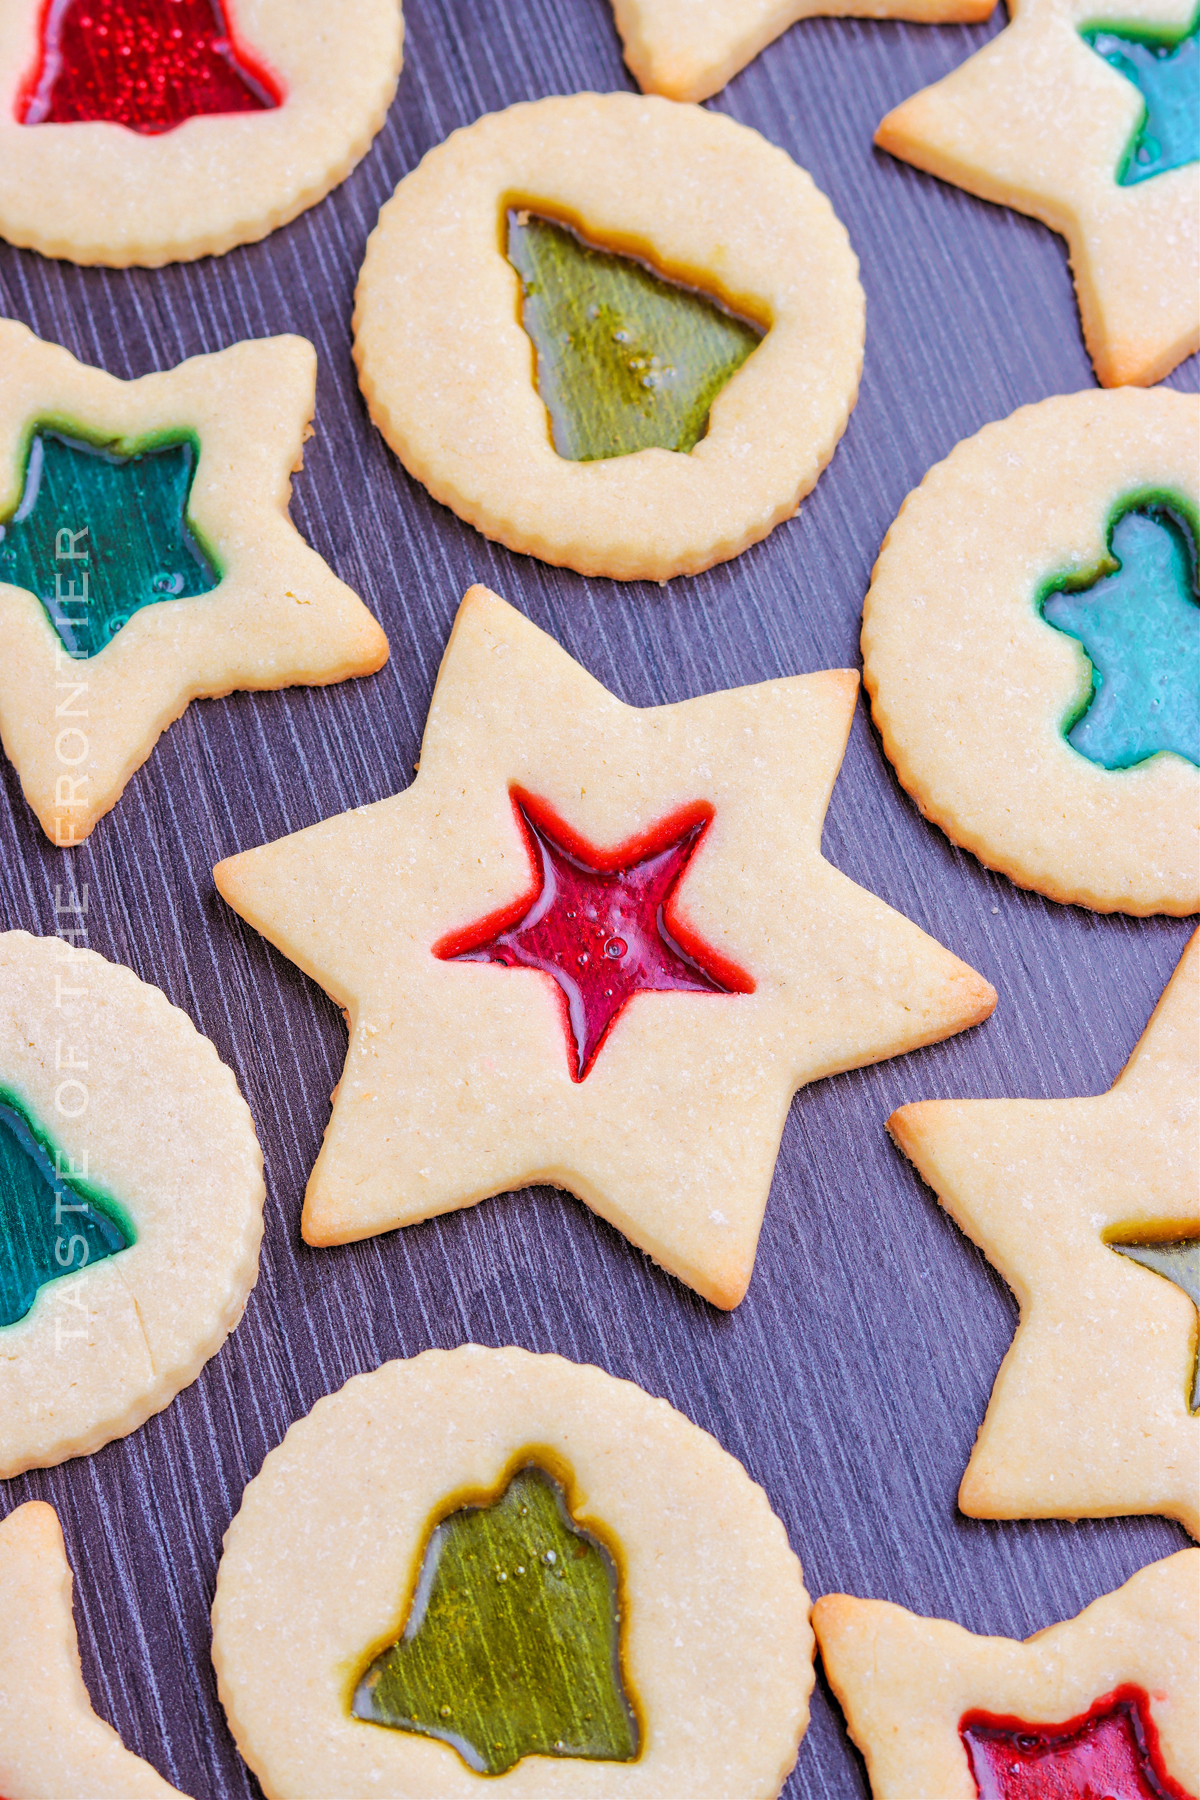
(596, 922)
(1111, 1752)
(145, 64)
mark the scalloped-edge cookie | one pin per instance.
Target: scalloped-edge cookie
(133, 1102)
(52, 1744)
(98, 192)
(907, 1684)
(77, 727)
(464, 1080)
(973, 690)
(717, 1646)
(1090, 1415)
(1039, 121)
(447, 368)
(688, 49)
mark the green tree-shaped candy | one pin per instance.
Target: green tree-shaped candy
(49, 1225)
(1139, 625)
(1166, 72)
(102, 531)
(1179, 1261)
(625, 359)
(512, 1645)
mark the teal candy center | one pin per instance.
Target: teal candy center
(1166, 72)
(99, 533)
(1139, 625)
(1178, 1261)
(49, 1225)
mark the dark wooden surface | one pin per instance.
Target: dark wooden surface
(852, 1379)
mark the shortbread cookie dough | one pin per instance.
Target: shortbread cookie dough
(465, 1078)
(132, 1200)
(1091, 1412)
(448, 371)
(97, 190)
(206, 451)
(975, 691)
(716, 1647)
(687, 49)
(51, 1742)
(909, 1688)
(1041, 120)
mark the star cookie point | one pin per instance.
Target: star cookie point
(689, 52)
(50, 1738)
(459, 1080)
(1091, 1411)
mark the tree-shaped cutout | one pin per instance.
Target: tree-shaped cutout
(51, 1222)
(101, 532)
(1177, 1259)
(1139, 624)
(597, 925)
(512, 1645)
(625, 359)
(144, 64)
(1112, 1749)
(1166, 73)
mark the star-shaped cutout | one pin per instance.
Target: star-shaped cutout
(1090, 1414)
(687, 52)
(1167, 76)
(597, 926)
(1140, 629)
(76, 726)
(1104, 1703)
(51, 1742)
(1037, 120)
(456, 1085)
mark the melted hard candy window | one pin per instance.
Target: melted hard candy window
(98, 535)
(49, 1225)
(1166, 73)
(626, 359)
(144, 64)
(1109, 1753)
(1178, 1260)
(512, 1645)
(597, 925)
(1139, 624)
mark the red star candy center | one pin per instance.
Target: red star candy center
(597, 923)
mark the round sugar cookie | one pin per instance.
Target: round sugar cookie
(448, 370)
(974, 690)
(318, 83)
(321, 1564)
(131, 1195)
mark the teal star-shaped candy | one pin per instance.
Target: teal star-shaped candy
(1167, 75)
(1140, 629)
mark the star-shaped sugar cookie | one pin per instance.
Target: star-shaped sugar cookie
(460, 1080)
(104, 645)
(1091, 1414)
(1080, 1709)
(51, 1742)
(1041, 120)
(687, 49)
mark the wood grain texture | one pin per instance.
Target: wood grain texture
(852, 1379)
